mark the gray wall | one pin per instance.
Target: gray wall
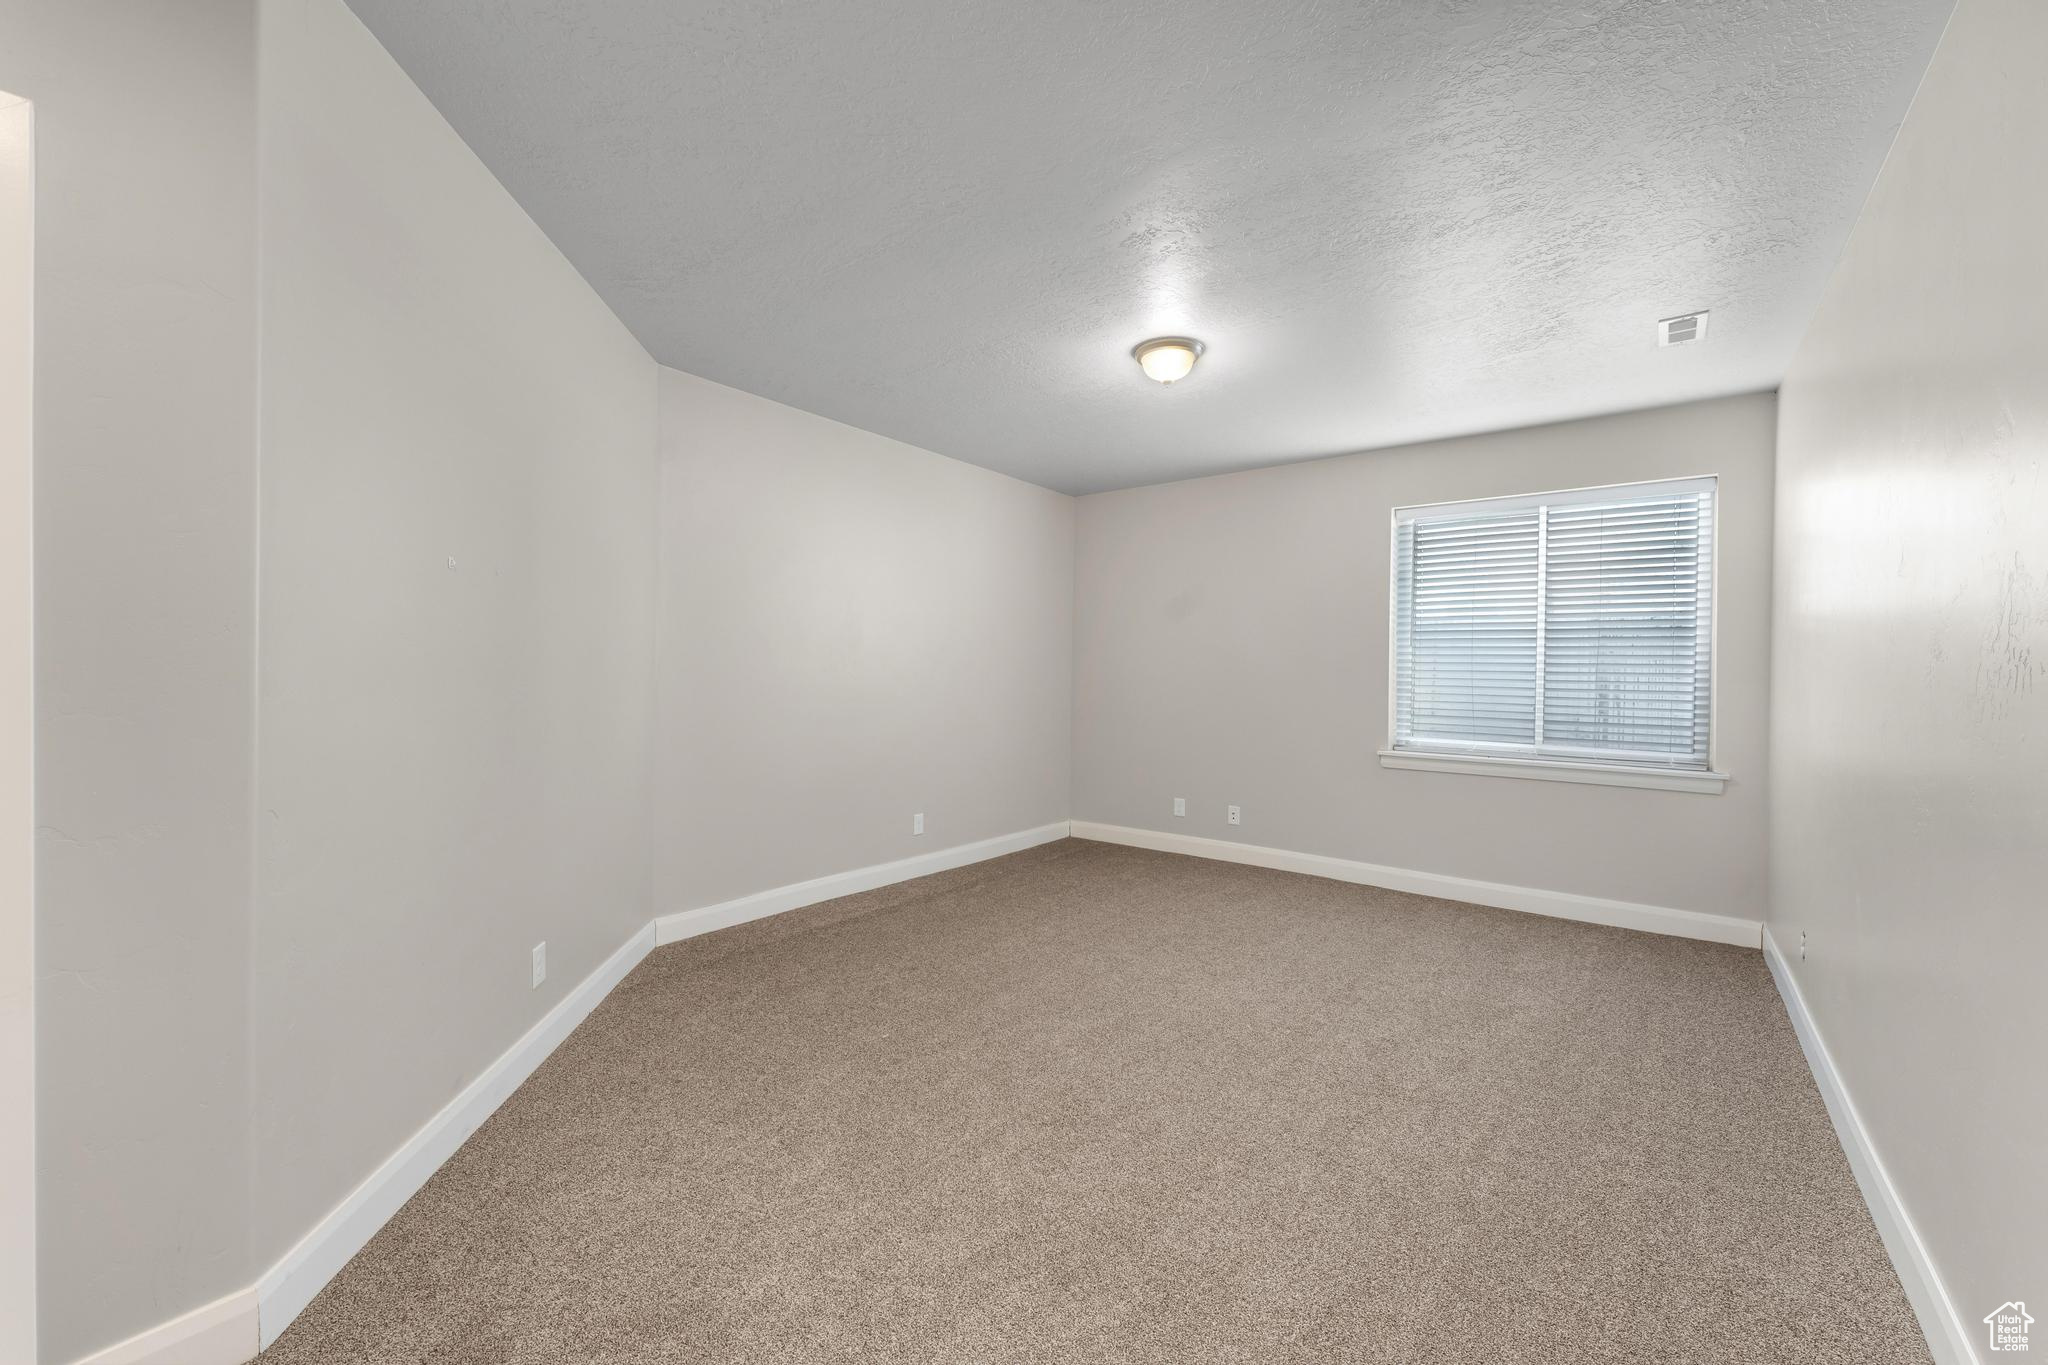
(1910, 699)
(852, 630)
(455, 761)
(1231, 648)
(145, 641)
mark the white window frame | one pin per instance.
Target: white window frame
(1709, 780)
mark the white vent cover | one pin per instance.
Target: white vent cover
(1675, 331)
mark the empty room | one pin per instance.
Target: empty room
(715, 682)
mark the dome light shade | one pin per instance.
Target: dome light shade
(1167, 358)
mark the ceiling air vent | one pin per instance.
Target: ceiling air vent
(1690, 327)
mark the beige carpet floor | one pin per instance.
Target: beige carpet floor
(1089, 1103)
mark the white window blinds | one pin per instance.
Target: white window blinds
(1572, 626)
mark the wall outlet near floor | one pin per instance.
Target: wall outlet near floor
(1180, 805)
(540, 962)
(1234, 816)
(1802, 945)
(917, 823)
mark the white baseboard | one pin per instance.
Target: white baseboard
(1948, 1336)
(1655, 919)
(223, 1332)
(291, 1284)
(232, 1330)
(689, 923)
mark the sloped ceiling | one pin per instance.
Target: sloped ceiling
(948, 221)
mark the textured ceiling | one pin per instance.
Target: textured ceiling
(949, 220)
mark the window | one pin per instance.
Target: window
(1565, 635)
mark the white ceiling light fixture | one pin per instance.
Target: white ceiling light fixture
(1168, 358)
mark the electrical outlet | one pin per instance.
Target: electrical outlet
(1180, 805)
(1234, 819)
(917, 823)
(1802, 945)
(540, 962)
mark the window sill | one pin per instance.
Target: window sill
(1557, 770)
